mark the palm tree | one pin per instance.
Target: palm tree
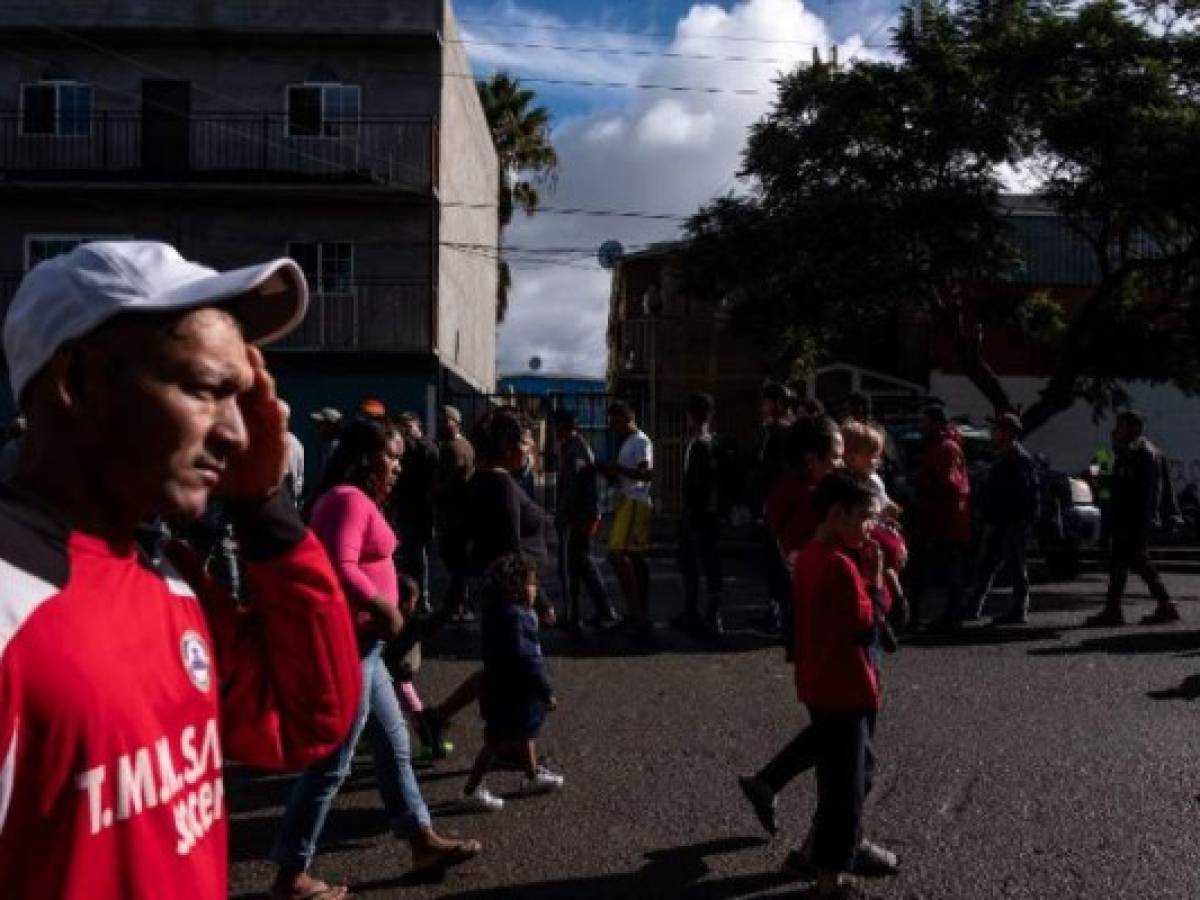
(528, 162)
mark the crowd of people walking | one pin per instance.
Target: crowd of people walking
(174, 591)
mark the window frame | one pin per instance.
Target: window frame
(58, 84)
(347, 128)
(317, 288)
(77, 237)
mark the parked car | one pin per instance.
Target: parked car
(1068, 521)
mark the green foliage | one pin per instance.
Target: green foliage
(877, 196)
(528, 161)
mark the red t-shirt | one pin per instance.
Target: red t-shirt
(126, 682)
(833, 610)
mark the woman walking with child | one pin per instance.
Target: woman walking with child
(346, 518)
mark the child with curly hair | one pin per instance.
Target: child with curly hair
(516, 691)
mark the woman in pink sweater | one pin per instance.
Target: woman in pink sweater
(346, 518)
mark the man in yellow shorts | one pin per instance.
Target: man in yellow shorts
(629, 539)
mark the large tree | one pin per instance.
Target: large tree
(528, 161)
(877, 195)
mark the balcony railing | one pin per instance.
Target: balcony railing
(366, 317)
(398, 152)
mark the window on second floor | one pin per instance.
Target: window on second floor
(328, 265)
(323, 110)
(41, 247)
(57, 109)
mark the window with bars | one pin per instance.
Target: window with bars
(323, 110)
(41, 247)
(328, 265)
(57, 109)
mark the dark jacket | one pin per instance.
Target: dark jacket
(411, 503)
(944, 491)
(578, 495)
(1010, 496)
(700, 476)
(513, 667)
(1137, 484)
(502, 520)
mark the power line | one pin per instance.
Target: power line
(645, 35)
(663, 54)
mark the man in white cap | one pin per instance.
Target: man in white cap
(126, 680)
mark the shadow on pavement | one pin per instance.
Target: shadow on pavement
(1142, 642)
(983, 636)
(677, 872)
(1189, 689)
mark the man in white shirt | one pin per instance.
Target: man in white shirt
(629, 539)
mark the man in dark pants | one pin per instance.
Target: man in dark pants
(456, 465)
(1010, 505)
(1137, 501)
(577, 518)
(776, 417)
(412, 505)
(700, 522)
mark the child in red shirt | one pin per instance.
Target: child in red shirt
(838, 582)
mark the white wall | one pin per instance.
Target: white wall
(469, 173)
(1070, 438)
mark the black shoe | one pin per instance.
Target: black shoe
(1109, 617)
(1164, 614)
(762, 798)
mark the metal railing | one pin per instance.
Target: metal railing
(396, 151)
(365, 316)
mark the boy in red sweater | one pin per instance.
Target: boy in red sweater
(838, 581)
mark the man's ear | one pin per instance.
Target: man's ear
(63, 379)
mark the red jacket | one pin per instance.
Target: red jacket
(790, 513)
(126, 682)
(944, 491)
(833, 612)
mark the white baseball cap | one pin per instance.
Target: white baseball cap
(70, 295)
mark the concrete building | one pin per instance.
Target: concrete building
(347, 135)
(664, 346)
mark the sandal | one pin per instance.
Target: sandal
(440, 860)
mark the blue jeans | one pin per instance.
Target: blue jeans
(1002, 545)
(378, 712)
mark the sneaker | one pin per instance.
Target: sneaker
(762, 798)
(1109, 617)
(1164, 614)
(544, 782)
(800, 862)
(872, 859)
(480, 800)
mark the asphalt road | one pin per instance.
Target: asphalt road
(1047, 761)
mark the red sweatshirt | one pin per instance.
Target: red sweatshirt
(790, 513)
(833, 610)
(124, 685)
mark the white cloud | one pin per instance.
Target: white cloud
(658, 152)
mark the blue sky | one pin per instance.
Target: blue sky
(637, 150)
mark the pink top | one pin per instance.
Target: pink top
(360, 544)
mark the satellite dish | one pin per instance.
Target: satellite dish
(535, 363)
(610, 252)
